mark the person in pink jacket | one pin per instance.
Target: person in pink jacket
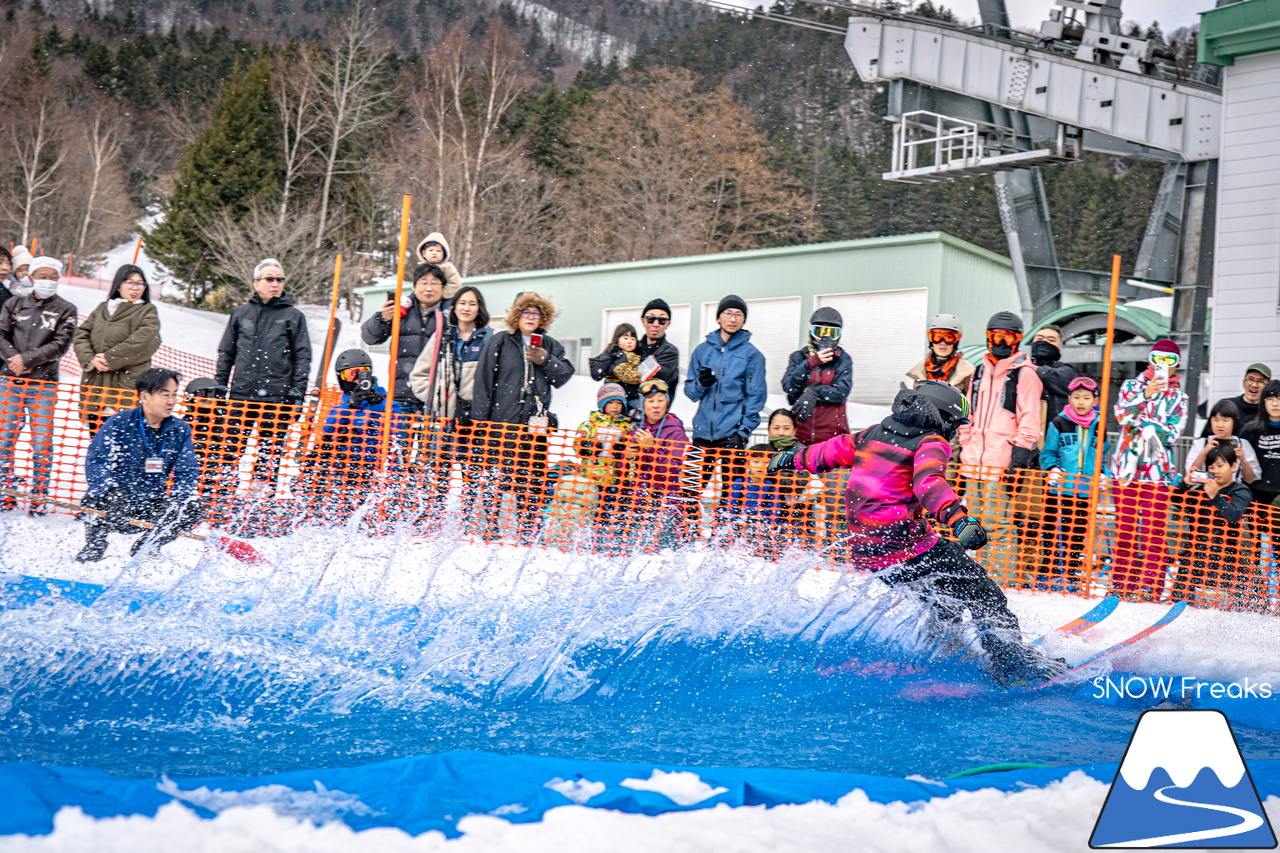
(1003, 428)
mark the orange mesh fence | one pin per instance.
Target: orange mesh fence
(268, 468)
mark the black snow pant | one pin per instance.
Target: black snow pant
(952, 582)
(169, 516)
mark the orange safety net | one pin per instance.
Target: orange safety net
(268, 468)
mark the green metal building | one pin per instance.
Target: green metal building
(886, 288)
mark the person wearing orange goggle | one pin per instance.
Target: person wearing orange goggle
(1005, 427)
(944, 362)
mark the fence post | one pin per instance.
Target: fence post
(1100, 430)
(137, 248)
(384, 450)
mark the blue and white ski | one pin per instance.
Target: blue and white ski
(1084, 622)
(1172, 613)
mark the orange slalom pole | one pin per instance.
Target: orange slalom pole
(71, 256)
(385, 449)
(333, 312)
(137, 247)
(1095, 485)
(35, 244)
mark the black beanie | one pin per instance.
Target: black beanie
(1005, 320)
(731, 301)
(660, 304)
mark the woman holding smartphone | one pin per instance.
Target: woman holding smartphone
(1151, 410)
(1224, 431)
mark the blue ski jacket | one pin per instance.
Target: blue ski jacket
(118, 454)
(732, 405)
(356, 428)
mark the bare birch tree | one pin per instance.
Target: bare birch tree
(37, 151)
(352, 101)
(461, 96)
(103, 138)
(295, 88)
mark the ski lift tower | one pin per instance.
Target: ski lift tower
(968, 101)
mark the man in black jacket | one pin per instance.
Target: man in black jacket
(656, 316)
(1055, 375)
(35, 330)
(264, 358)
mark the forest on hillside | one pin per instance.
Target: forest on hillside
(295, 133)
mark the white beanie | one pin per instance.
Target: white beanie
(21, 257)
(46, 262)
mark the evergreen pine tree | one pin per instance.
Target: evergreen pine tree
(233, 165)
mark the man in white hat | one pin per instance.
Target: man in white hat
(35, 330)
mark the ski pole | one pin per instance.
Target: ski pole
(238, 548)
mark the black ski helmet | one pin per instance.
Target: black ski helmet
(352, 358)
(203, 386)
(827, 317)
(952, 405)
(1005, 320)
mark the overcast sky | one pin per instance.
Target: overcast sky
(1028, 14)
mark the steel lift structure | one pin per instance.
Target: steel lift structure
(969, 101)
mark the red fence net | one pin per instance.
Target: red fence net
(268, 468)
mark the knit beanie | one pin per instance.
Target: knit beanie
(610, 391)
(1166, 345)
(658, 304)
(731, 301)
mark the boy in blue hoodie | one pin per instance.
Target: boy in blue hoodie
(1070, 447)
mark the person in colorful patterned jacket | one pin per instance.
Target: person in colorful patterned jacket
(897, 473)
(1151, 410)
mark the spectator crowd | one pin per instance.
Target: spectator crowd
(477, 398)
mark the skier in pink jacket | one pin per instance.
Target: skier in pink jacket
(897, 473)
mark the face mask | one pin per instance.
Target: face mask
(1043, 352)
(44, 288)
(1001, 351)
(782, 442)
(22, 287)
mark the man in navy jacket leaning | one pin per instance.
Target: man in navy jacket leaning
(129, 466)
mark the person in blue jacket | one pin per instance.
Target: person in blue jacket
(340, 471)
(1070, 447)
(726, 379)
(142, 466)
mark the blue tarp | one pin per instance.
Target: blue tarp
(435, 791)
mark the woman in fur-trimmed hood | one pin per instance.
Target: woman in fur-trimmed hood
(514, 378)
(530, 301)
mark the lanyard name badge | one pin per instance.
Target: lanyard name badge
(153, 464)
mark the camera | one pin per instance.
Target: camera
(828, 343)
(364, 381)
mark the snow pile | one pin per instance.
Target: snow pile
(681, 787)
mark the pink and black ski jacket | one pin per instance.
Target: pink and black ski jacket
(897, 472)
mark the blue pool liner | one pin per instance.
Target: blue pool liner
(434, 792)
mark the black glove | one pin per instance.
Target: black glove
(971, 534)
(1023, 457)
(784, 460)
(803, 408)
(462, 420)
(293, 398)
(366, 396)
(706, 377)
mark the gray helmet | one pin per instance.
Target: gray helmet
(1005, 320)
(352, 358)
(946, 321)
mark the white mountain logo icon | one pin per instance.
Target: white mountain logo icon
(1183, 780)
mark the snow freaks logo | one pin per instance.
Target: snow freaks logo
(1183, 780)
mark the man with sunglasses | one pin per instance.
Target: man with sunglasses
(656, 317)
(264, 357)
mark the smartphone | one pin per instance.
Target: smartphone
(391, 296)
(1199, 477)
(535, 340)
(1162, 372)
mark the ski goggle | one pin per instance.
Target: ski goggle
(1083, 382)
(651, 386)
(1166, 358)
(944, 336)
(824, 331)
(350, 374)
(1003, 337)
